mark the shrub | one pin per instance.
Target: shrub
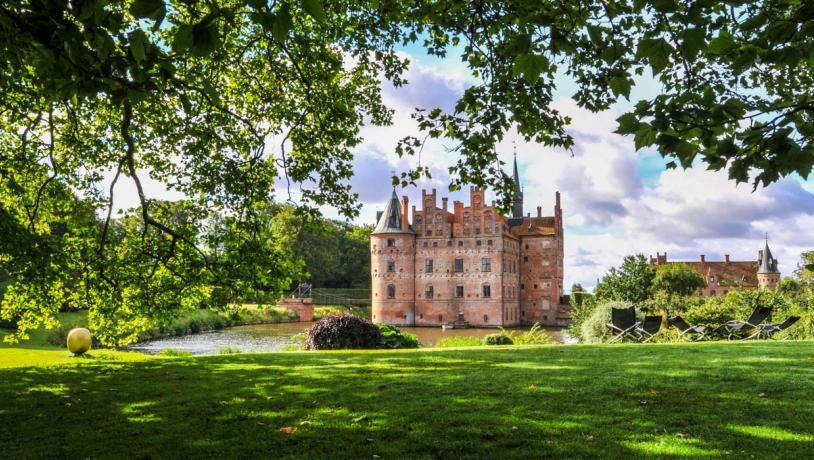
(534, 336)
(594, 329)
(57, 336)
(395, 338)
(458, 341)
(500, 338)
(297, 342)
(337, 332)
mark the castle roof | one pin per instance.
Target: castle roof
(768, 264)
(733, 273)
(390, 219)
(535, 226)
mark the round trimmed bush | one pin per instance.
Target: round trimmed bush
(498, 339)
(337, 332)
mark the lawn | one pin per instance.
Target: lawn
(672, 400)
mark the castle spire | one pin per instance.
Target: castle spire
(391, 218)
(768, 264)
(517, 199)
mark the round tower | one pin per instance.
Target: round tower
(392, 266)
(767, 274)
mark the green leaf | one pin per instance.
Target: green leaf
(138, 40)
(693, 41)
(620, 85)
(182, 40)
(721, 44)
(644, 137)
(282, 24)
(595, 33)
(315, 10)
(153, 9)
(205, 36)
(628, 124)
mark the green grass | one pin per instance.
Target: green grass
(459, 341)
(737, 400)
(321, 311)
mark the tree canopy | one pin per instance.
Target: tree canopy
(631, 282)
(231, 102)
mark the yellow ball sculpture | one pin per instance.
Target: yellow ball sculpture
(79, 340)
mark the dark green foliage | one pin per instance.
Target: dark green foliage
(677, 279)
(394, 338)
(497, 339)
(338, 332)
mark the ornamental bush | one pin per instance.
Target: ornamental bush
(343, 331)
(394, 338)
(498, 339)
(595, 328)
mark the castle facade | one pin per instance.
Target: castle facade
(466, 265)
(732, 275)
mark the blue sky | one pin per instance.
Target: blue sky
(616, 201)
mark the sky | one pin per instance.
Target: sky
(616, 201)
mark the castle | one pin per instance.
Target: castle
(470, 265)
(729, 275)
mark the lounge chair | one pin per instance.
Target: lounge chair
(623, 324)
(685, 331)
(766, 331)
(735, 328)
(649, 328)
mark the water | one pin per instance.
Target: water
(275, 337)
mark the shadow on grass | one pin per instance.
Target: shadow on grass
(694, 400)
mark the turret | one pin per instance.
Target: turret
(517, 198)
(392, 263)
(767, 274)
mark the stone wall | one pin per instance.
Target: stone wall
(304, 308)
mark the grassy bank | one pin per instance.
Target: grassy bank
(670, 400)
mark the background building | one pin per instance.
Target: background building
(467, 264)
(729, 275)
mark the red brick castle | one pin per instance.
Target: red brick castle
(469, 265)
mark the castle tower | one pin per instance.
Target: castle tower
(767, 274)
(517, 199)
(392, 264)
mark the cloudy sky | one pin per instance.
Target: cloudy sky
(615, 201)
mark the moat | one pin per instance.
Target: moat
(275, 337)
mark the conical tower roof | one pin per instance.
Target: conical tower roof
(768, 264)
(390, 220)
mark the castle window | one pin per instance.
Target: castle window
(527, 246)
(425, 244)
(477, 231)
(478, 243)
(535, 286)
(449, 242)
(459, 291)
(391, 291)
(391, 266)
(440, 318)
(522, 286)
(488, 242)
(391, 242)
(459, 265)
(428, 266)
(487, 290)
(486, 265)
(429, 293)
(435, 244)
(460, 244)
(525, 258)
(485, 318)
(429, 232)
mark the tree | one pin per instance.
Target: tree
(805, 268)
(631, 282)
(677, 279)
(221, 101)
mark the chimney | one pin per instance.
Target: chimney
(528, 214)
(557, 194)
(539, 211)
(404, 223)
(726, 259)
(445, 200)
(703, 258)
